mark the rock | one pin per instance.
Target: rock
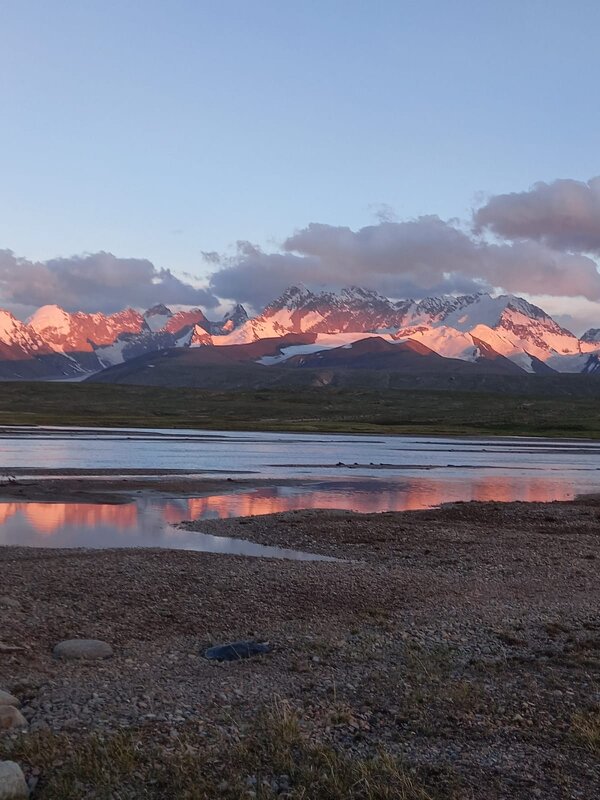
(7, 699)
(89, 649)
(9, 602)
(12, 782)
(11, 718)
(236, 650)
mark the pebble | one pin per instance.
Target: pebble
(88, 649)
(11, 718)
(13, 785)
(7, 699)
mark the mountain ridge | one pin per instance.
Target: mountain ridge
(502, 332)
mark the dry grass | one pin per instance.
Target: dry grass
(275, 757)
(586, 729)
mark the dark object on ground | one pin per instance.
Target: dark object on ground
(236, 650)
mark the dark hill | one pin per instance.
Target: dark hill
(375, 353)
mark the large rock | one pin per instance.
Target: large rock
(7, 699)
(11, 718)
(88, 649)
(12, 782)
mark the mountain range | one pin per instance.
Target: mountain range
(351, 329)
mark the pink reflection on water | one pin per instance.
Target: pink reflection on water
(45, 519)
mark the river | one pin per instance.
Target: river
(361, 473)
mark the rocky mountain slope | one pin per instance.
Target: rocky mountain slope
(504, 334)
(469, 328)
(58, 345)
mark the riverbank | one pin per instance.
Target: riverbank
(455, 653)
(114, 486)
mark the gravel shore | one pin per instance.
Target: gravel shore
(464, 641)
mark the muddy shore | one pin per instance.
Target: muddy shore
(463, 641)
(122, 486)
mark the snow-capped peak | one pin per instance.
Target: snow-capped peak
(19, 340)
(51, 316)
(464, 327)
(292, 298)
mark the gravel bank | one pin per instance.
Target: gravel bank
(465, 640)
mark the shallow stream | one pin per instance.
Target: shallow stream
(359, 473)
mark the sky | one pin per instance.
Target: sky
(208, 151)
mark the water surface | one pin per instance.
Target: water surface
(359, 473)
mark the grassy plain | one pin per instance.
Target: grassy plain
(310, 410)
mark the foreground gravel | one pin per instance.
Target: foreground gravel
(466, 639)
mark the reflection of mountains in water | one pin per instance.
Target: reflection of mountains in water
(405, 495)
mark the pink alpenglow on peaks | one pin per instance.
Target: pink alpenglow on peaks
(499, 331)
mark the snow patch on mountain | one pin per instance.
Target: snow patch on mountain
(323, 341)
(581, 362)
(444, 341)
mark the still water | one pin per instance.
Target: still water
(360, 473)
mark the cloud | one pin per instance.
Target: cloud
(539, 242)
(564, 214)
(537, 269)
(94, 282)
(403, 259)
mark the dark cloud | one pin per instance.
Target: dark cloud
(408, 259)
(403, 259)
(95, 282)
(564, 214)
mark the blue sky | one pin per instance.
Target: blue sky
(160, 130)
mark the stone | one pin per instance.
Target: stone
(13, 785)
(9, 602)
(11, 718)
(7, 699)
(88, 649)
(236, 650)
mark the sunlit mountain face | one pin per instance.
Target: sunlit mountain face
(502, 334)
